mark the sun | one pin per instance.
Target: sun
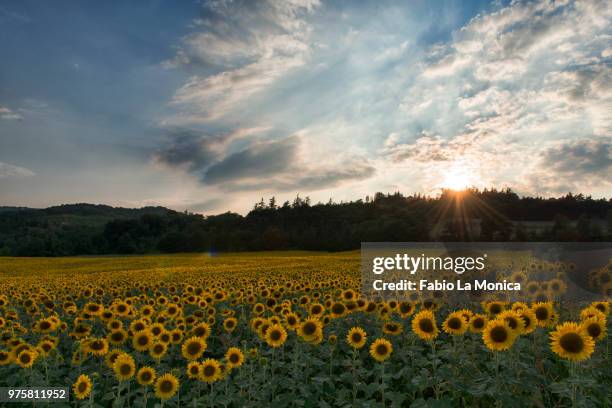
(456, 180)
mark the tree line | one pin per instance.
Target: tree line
(478, 215)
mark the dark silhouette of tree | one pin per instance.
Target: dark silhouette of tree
(483, 215)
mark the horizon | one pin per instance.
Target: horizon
(371, 197)
(203, 106)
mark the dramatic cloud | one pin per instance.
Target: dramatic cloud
(508, 83)
(9, 170)
(328, 99)
(259, 160)
(192, 151)
(242, 48)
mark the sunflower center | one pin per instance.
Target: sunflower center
(165, 386)
(234, 358)
(309, 328)
(499, 334)
(82, 387)
(209, 371)
(125, 369)
(356, 337)
(495, 309)
(454, 323)
(594, 330)
(572, 342)
(478, 323)
(275, 335)
(381, 349)
(193, 348)
(426, 325)
(541, 313)
(145, 376)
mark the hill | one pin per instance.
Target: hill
(473, 215)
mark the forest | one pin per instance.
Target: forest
(471, 215)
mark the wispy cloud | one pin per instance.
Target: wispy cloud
(9, 170)
(8, 114)
(241, 49)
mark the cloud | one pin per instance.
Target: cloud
(9, 170)
(8, 114)
(579, 158)
(193, 151)
(262, 159)
(271, 165)
(508, 85)
(571, 166)
(242, 49)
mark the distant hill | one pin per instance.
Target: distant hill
(487, 215)
(13, 209)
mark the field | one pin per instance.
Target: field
(284, 329)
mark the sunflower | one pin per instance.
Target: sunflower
(157, 329)
(276, 335)
(356, 337)
(158, 350)
(424, 325)
(5, 358)
(494, 308)
(166, 386)
(98, 347)
(478, 323)
(211, 370)
(381, 349)
(145, 376)
(529, 320)
(596, 327)
(590, 312)
(117, 337)
(234, 357)
(194, 369)
(392, 328)
(316, 310)
(311, 329)
(519, 306)
(338, 310)
(544, 313)
(26, 358)
(514, 320)
(112, 356)
(405, 309)
(498, 336)
(124, 367)
(82, 387)
(176, 336)
(142, 340)
(138, 325)
(572, 342)
(603, 307)
(229, 324)
(292, 321)
(455, 324)
(45, 346)
(193, 348)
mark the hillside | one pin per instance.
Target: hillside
(487, 215)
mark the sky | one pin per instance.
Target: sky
(210, 106)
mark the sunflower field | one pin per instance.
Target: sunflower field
(285, 329)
